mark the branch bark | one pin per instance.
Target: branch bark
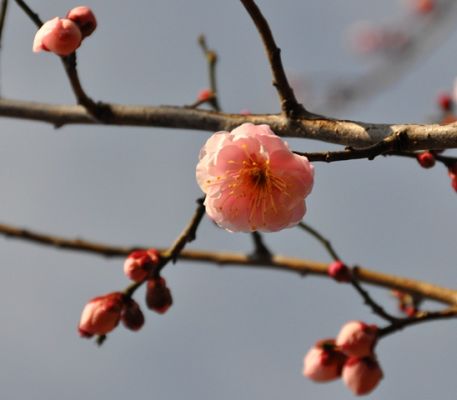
(277, 262)
(344, 132)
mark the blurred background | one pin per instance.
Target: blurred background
(232, 333)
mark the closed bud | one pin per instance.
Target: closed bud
(426, 159)
(101, 315)
(339, 271)
(158, 296)
(323, 362)
(361, 375)
(205, 95)
(139, 264)
(59, 36)
(132, 317)
(357, 339)
(84, 18)
(445, 101)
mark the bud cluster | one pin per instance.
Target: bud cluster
(103, 313)
(350, 356)
(62, 36)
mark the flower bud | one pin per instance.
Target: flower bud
(139, 264)
(84, 18)
(426, 159)
(357, 339)
(132, 317)
(445, 101)
(361, 375)
(323, 362)
(158, 296)
(339, 271)
(101, 315)
(205, 95)
(59, 36)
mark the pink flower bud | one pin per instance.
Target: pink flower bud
(361, 375)
(423, 6)
(101, 315)
(84, 18)
(132, 316)
(339, 271)
(139, 264)
(158, 296)
(426, 159)
(205, 95)
(323, 362)
(445, 101)
(357, 339)
(59, 36)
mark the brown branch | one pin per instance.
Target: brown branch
(30, 13)
(348, 133)
(300, 266)
(289, 104)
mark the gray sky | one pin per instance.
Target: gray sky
(232, 333)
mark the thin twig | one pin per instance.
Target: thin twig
(32, 15)
(211, 58)
(391, 143)
(375, 307)
(186, 236)
(421, 316)
(3, 10)
(324, 241)
(281, 263)
(289, 104)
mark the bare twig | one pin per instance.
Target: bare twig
(324, 241)
(369, 301)
(211, 58)
(31, 14)
(186, 236)
(421, 316)
(3, 10)
(289, 104)
(300, 266)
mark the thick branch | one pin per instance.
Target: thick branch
(300, 266)
(348, 133)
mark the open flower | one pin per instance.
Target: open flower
(252, 181)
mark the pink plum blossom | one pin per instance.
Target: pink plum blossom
(323, 362)
(59, 36)
(357, 339)
(84, 18)
(101, 315)
(361, 375)
(252, 181)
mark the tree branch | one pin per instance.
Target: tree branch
(348, 133)
(300, 266)
(289, 104)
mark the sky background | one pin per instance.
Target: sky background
(232, 333)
